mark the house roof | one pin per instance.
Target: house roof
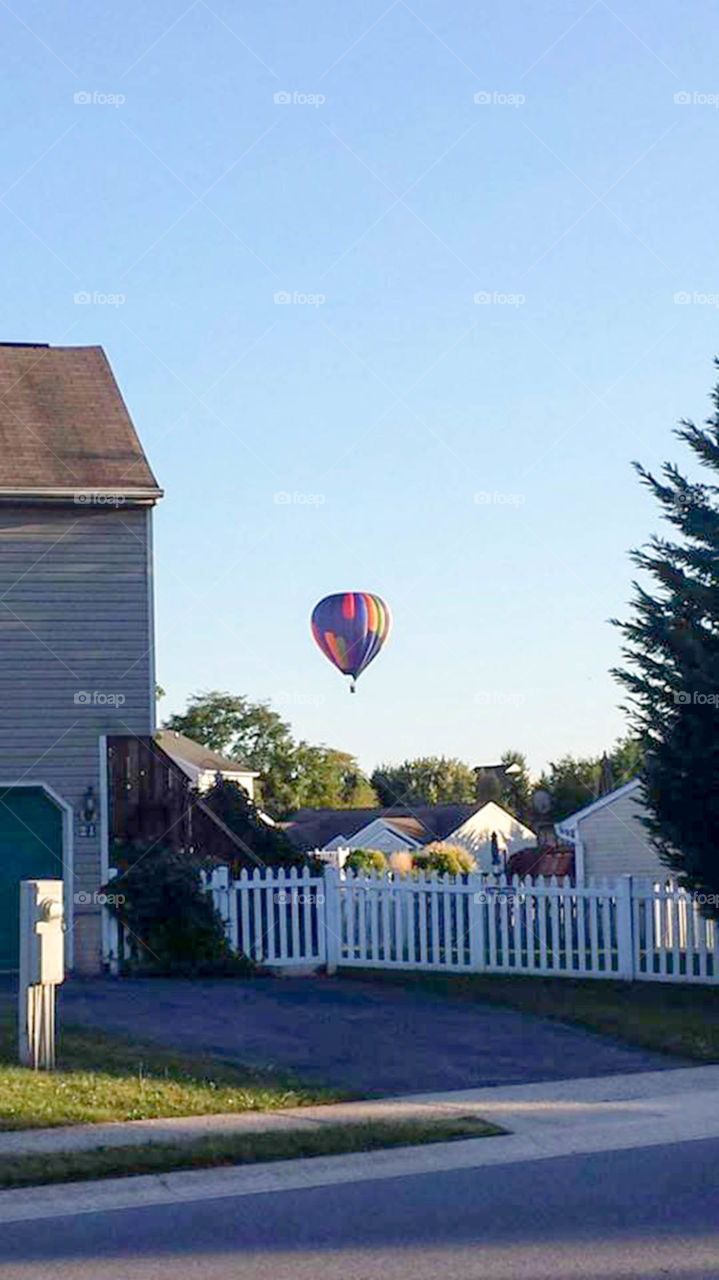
(553, 861)
(567, 826)
(181, 747)
(64, 427)
(314, 828)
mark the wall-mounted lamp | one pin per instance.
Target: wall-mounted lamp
(89, 806)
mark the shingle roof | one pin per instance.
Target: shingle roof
(64, 427)
(314, 828)
(179, 746)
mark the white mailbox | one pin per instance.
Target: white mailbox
(42, 967)
(42, 931)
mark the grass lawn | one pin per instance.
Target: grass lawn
(103, 1077)
(679, 1018)
(329, 1140)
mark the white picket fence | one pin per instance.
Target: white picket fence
(623, 928)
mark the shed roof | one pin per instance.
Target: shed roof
(64, 427)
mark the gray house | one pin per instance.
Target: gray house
(76, 624)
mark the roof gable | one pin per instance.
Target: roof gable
(65, 429)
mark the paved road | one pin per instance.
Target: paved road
(646, 1213)
(378, 1040)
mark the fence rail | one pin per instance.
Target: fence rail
(623, 928)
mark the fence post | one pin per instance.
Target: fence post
(331, 922)
(475, 919)
(625, 940)
(111, 934)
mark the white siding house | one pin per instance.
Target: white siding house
(475, 834)
(201, 765)
(76, 624)
(379, 835)
(609, 838)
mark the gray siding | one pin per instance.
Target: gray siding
(75, 617)
(616, 843)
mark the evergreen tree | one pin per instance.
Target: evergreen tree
(672, 648)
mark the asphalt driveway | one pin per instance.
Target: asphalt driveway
(377, 1040)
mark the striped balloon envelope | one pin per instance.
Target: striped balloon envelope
(350, 629)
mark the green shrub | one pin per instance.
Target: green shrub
(365, 861)
(170, 922)
(445, 859)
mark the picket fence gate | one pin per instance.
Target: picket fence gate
(623, 928)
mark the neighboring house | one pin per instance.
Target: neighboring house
(609, 838)
(203, 765)
(311, 829)
(475, 834)
(381, 834)
(407, 830)
(76, 619)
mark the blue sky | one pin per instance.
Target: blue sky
(469, 461)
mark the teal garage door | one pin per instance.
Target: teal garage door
(30, 849)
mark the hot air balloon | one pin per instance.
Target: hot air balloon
(350, 629)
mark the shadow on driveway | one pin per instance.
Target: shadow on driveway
(352, 1034)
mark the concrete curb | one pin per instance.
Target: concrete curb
(595, 1100)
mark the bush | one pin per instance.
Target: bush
(365, 861)
(170, 921)
(445, 859)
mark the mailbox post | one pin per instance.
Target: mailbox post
(42, 968)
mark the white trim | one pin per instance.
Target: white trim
(104, 838)
(68, 852)
(151, 619)
(567, 827)
(578, 860)
(106, 491)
